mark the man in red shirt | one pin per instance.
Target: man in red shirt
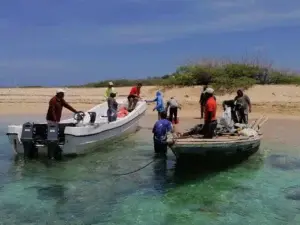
(56, 105)
(210, 120)
(134, 96)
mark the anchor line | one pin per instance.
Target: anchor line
(134, 171)
(140, 168)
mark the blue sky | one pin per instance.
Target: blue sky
(52, 42)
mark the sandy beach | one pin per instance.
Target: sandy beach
(277, 101)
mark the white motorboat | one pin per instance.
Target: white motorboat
(74, 136)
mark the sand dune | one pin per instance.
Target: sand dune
(276, 100)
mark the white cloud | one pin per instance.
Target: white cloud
(160, 31)
(203, 17)
(223, 4)
(199, 17)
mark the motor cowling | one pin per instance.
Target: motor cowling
(54, 150)
(27, 139)
(92, 117)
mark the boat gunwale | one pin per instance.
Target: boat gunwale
(214, 141)
(121, 123)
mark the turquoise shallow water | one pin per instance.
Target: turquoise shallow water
(263, 190)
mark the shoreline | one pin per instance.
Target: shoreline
(185, 114)
(277, 101)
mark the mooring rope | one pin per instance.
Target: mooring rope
(134, 171)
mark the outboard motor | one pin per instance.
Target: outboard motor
(92, 117)
(54, 150)
(27, 139)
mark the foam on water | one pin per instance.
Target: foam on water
(263, 190)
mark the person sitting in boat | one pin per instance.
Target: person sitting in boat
(112, 107)
(109, 89)
(173, 106)
(159, 103)
(134, 96)
(243, 106)
(56, 105)
(160, 130)
(122, 112)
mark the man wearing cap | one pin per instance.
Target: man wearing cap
(210, 119)
(109, 90)
(56, 105)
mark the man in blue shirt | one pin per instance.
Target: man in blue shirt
(160, 131)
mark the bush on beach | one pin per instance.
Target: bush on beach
(223, 76)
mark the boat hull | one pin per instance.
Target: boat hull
(85, 137)
(80, 145)
(215, 154)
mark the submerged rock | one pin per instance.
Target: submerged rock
(51, 192)
(293, 193)
(284, 162)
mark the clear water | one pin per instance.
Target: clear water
(263, 190)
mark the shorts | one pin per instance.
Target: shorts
(160, 147)
(131, 96)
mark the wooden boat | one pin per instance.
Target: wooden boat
(219, 150)
(227, 145)
(73, 136)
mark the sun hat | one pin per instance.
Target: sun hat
(60, 90)
(110, 83)
(209, 91)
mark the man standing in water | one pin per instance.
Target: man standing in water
(202, 101)
(56, 105)
(243, 106)
(160, 131)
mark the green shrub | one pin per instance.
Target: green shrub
(224, 77)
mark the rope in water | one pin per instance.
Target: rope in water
(134, 171)
(143, 167)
